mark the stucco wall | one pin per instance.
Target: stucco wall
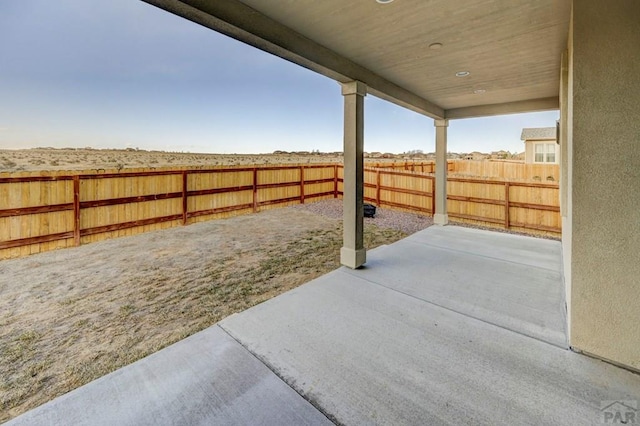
(605, 195)
(528, 152)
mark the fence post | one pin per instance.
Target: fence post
(76, 210)
(433, 195)
(255, 189)
(378, 187)
(301, 184)
(185, 204)
(335, 181)
(506, 205)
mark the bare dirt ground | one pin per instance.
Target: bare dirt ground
(42, 159)
(86, 159)
(70, 316)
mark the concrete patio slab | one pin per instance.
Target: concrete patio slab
(205, 379)
(367, 354)
(538, 252)
(508, 280)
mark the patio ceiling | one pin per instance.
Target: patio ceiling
(511, 48)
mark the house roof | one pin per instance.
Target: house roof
(409, 52)
(538, 133)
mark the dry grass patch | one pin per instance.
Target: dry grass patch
(71, 316)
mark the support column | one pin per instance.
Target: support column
(565, 182)
(353, 254)
(440, 216)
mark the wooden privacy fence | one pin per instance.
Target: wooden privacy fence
(40, 213)
(542, 173)
(529, 207)
(482, 169)
(402, 190)
(412, 166)
(521, 206)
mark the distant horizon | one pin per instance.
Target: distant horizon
(276, 152)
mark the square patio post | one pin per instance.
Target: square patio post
(440, 216)
(353, 254)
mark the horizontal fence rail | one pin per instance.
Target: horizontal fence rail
(40, 213)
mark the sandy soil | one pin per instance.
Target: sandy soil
(41, 159)
(70, 316)
(87, 159)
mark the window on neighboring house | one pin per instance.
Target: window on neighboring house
(545, 153)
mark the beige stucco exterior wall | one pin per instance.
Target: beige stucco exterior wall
(604, 137)
(528, 152)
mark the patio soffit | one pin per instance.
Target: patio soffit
(510, 48)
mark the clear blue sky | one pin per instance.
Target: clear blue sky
(122, 73)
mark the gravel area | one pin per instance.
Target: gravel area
(408, 223)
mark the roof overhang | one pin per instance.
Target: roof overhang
(512, 49)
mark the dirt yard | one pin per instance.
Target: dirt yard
(43, 159)
(70, 316)
(109, 159)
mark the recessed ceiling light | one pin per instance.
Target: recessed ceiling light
(462, 73)
(479, 91)
(384, 1)
(435, 46)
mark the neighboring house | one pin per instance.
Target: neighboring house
(475, 155)
(500, 155)
(540, 145)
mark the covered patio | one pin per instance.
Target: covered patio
(472, 333)
(458, 59)
(450, 326)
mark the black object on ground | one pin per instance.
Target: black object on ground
(369, 210)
